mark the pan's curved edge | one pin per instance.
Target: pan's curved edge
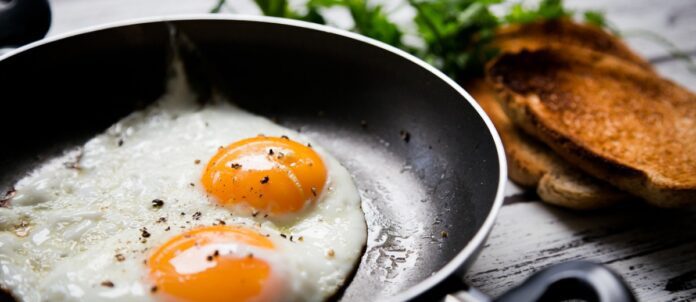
(478, 239)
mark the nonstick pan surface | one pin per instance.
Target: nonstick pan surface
(427, 162)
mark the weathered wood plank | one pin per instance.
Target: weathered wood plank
(655, 250)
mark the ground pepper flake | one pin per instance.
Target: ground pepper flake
(265, 180)
(107, 284)
(145, 233)
(405, 136)
(236, 166)
(197, 215)
(157, 203)
(120, 257)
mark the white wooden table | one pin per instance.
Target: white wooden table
(655, 250)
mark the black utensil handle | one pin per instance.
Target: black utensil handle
(576, 280)
(23, 21)
(582, 280)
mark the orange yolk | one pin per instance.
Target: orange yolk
(273, 175)
(200, 265)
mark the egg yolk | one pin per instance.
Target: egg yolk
(274, 175)
(205, 264)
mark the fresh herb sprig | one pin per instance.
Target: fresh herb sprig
(456, 33)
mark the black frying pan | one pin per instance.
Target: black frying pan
(428, 163)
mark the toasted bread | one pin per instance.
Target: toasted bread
(532, 164)
(611, 118)
(537, 35)
(572, 188)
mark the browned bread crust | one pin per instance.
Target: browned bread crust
(532, 164)
(537, 35)
(575, 189)
(611, 118)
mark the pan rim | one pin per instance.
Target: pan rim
(481, 234)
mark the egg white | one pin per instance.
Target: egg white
(71, 217)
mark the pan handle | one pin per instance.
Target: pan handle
(583, 280)
(23, 21)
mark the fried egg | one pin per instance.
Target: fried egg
(184, 202)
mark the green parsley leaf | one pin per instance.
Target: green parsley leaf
(595, 18)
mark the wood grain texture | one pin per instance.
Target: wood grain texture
(655, 250)
(652, 249)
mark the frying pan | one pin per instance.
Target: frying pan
(428, 162)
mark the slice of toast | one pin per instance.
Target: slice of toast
(532, 164)
(611, 118)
